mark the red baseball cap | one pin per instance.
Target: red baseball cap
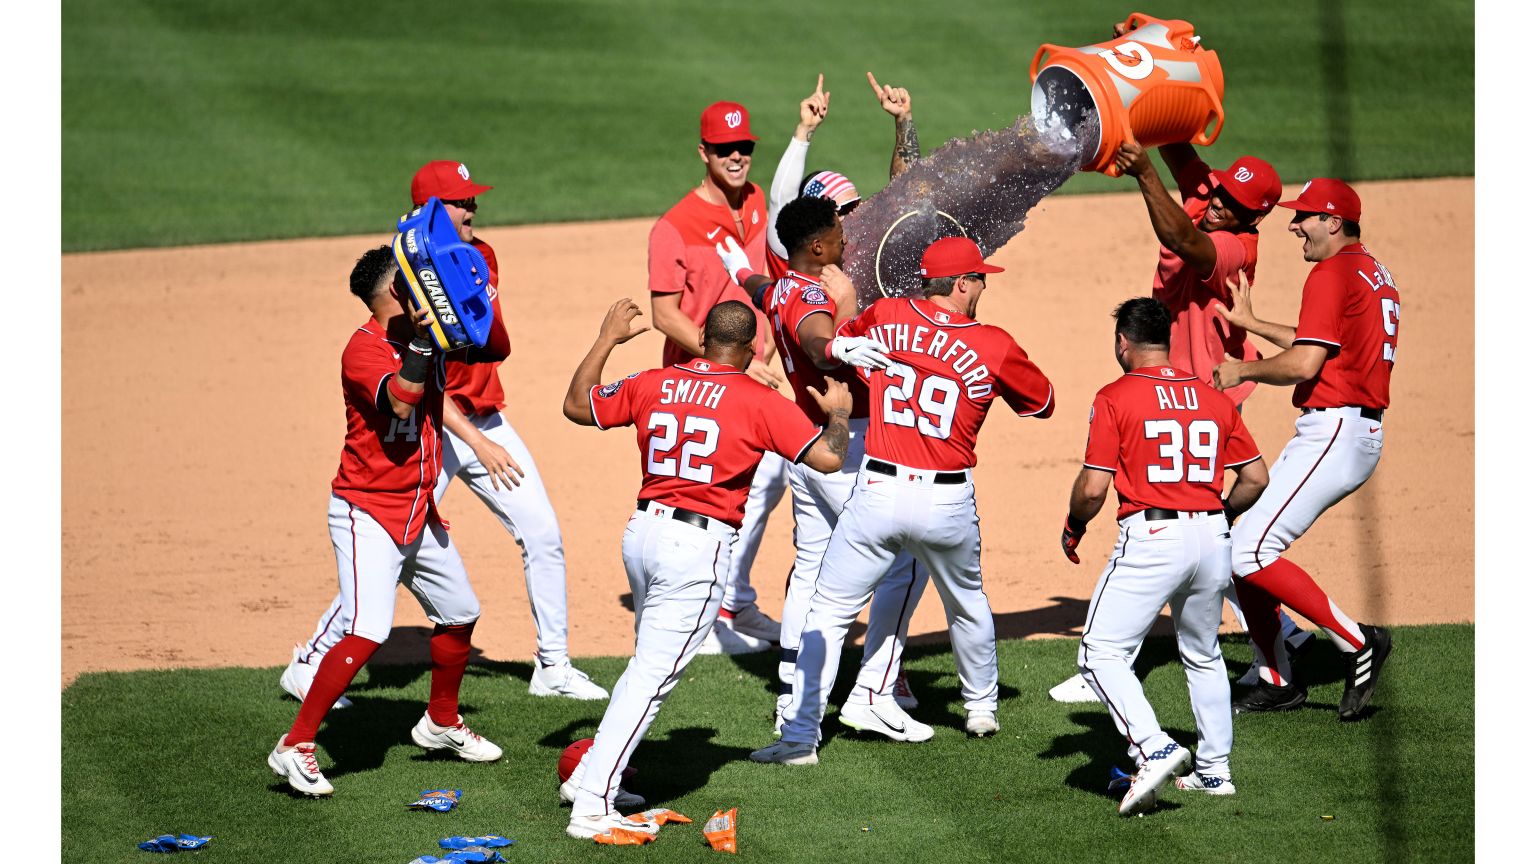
(724, 122)
(953, 256)
(1252, 181)
(444, 179)
(1327, 196)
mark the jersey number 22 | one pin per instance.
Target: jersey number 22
(664, 458)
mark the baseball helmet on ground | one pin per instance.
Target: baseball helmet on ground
(571, 757)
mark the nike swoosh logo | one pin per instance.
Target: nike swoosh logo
(711, 235)
(1155, 530)
(1375, 429)
(901, 728)
(872, 482)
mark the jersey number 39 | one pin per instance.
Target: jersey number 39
(663, 456)
(1194, 460)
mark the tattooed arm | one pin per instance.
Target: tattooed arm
(897, 102)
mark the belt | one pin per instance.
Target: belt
(1367, 413)
(886, 468)
(697, 520)
(1154, 514)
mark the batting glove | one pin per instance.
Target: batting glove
(734, 259)
(859, 351)
(1072, 534)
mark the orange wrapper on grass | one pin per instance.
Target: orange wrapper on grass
(622, 837)
(720, 831)
(660, 816)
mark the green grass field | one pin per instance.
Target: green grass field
(187, 121)
(155, 752)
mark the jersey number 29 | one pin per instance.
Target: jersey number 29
(930, 407)
(663, 457)
(1200, 464)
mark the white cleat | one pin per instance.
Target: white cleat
(1210, 784)
(980, 723)
(296, 679)
(903, 692)
(1074, 689)
(721, 639)
(564, 680)
(1155, 773)
(587, 827)
(786, 753)
(460, 739)
(752, 621)
(299, 768)
(885, 718)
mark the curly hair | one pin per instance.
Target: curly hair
(803, 219)
(372, 272)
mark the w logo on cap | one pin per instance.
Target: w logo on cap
(463, 171)
(1242, 175)
(733, 119)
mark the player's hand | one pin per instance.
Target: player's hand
(421, 322)
(735, 259)
(1228, 374)
(813, 110)
(839, 287)
(1131, 158)
(1121, 28)
(837, 397)
(895, 101)
(1071, 535)
(860, 351)
(1240, 314)
(764, 374)
(618, 325)
(504, 471)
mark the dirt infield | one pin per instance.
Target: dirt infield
(202, 420)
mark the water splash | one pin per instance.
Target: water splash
(982, 186)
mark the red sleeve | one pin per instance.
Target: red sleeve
(1322, 310)
(784, 428)
(1023, 386)
(1194, 181)
(668, 269)
(498, 345)
(614, 404)
(1231, 258)
(1103, 451)
(1241, 448)
(807, 301)
(490, 260)
(860, 324)
(365, 365)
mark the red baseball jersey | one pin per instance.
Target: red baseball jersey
(1349, 306)
(795, 298)
(683, 258)
(388, 466)
(1200, 336)
(1168, 438)
(927, 412)
(475, 387)
(702, 429)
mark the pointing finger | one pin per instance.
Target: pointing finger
(874, 84)
(819, 79)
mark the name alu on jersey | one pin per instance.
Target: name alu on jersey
(1170, 398)
(940, 346)
(680, 391)
(441, 306)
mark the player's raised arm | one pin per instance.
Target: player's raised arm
(829, 451)
(406, 387)
(897, 102)
(618, 328)
(786, 178)
(1169, 221)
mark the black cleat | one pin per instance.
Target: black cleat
(1268, 697)
(1364, 672)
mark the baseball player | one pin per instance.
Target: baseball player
(914, 490)
(1166, 438)
(385, 526)
(1207, 238)
(484, 451)
(804, 317)
(1339, 356)
(686, 281)
(702, 426)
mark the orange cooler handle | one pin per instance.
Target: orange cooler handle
(1034, 65)
(1205, 139)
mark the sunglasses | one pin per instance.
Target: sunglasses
(979, 277)
(1235, 208)
(463, 204)
(723, 151)
(849, 207)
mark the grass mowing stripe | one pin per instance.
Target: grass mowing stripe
(195, 122)
(145, 753)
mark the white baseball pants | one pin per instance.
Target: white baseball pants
(369, 564)
(766, 493)
(677, 573)
(937, 524)
(1185, 563)
(819, 500)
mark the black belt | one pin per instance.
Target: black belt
(1367, 413)
(697, 520)
(886, 468)
(1153, 514)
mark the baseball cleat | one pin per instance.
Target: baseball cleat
(751, 621)
(299, 768)
(1365, 671)
(885, 718)
(460, 739)
(980, 723)
(1155, 772)
(902, 690)
(622, 798)
(1210, 784)
(721, 639)
(587, 827)
(786, 753)
(1268, 697)
(564, 680)
(296, 679)
(1074, 689)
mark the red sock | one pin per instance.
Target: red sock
(340, 666)
(1262, 612)
(450, 653)
(1292, 586)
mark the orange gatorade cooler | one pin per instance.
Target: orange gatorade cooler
(1154, 83)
